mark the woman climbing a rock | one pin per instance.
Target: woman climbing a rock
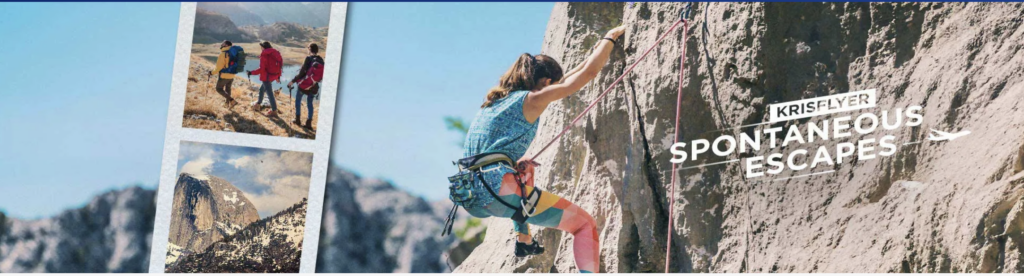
(502, 131)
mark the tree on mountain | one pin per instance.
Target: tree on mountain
(3, 224)
(457, 124)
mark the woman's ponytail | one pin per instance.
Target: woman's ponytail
(518, 77)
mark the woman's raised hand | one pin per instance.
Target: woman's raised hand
(537, 101)
(616, 33)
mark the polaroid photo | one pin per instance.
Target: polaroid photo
(238, 209)
(248, 137)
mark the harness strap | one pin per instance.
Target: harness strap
(528, 203)
(449, 221)
(520, 215)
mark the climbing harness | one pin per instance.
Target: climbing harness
(470, 169)
(461, 183)
(679, 99)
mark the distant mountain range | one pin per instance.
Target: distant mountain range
(312, 14)
(112, 233)
(368, 226)
(213, 26)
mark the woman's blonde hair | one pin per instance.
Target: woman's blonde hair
(524, 75)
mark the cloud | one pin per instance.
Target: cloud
(285, 192)
(195, 150)
(241, 162)
(283, 174)
(200, 166)
(272, 180)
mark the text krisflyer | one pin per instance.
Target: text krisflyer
(800, 159)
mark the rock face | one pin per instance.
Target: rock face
(273, 244)
(932, 207)
(370, 226)
(112, 233)
(205, 210)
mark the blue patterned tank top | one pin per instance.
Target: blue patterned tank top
(501, 127)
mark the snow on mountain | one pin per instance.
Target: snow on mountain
(173, 253)
(273, 244)
(205, 211)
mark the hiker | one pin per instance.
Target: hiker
(502, 131)
(309, 77)
(226, 68)
(269, 71)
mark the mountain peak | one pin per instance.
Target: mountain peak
(205, 210)
(272, 244)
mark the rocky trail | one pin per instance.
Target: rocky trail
(951, 206)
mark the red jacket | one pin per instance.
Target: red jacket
(270, 65)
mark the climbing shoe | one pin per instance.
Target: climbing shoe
(523, 249)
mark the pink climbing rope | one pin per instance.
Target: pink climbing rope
(609, 89)
(679, 103)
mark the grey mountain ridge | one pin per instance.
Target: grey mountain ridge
(112, 233)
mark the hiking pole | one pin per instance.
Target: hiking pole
(679, 102)
(209, 77)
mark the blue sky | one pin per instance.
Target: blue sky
(408, 65)
(83, 100)
(85, 91)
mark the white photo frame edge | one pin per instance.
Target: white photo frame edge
(320, 147)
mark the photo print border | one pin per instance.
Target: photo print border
(320, 146)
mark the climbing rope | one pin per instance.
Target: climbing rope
(679, 101)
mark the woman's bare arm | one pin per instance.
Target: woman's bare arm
(573, 71)
(537, 101)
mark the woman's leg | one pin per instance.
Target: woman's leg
(298, 105)
(262, 88)
(270, 93)
(556, 212)
(309, 108)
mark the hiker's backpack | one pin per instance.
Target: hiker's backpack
(273, 67)
(314, 75)
(236, 60)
